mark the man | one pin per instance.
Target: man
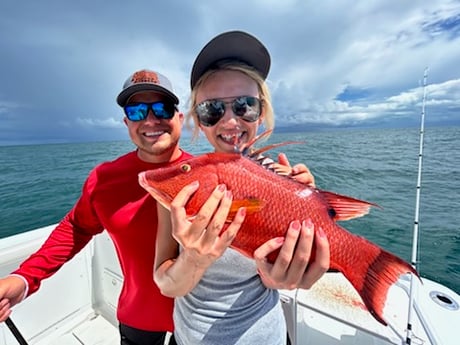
(112, 199)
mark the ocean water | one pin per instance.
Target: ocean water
(40, 183)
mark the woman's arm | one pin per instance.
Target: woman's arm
(177, 272)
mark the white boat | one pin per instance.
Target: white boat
(77, 305)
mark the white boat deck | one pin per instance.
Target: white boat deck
(78, 304)
(84, 328)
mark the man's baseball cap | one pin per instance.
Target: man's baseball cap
(231, 45)
(146, 80)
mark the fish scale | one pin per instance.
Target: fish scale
(272, 202)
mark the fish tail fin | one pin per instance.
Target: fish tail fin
(373, 277)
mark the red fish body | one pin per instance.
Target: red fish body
(273, 201)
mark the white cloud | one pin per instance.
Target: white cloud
(333, 62)
(92, 122)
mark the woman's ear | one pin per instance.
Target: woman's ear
(261, 118)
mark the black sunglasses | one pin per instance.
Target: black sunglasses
(140, 111)
(211, 111)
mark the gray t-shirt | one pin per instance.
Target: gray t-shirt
(230, 305)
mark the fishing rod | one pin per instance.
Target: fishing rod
(415, 236)
(21, 340)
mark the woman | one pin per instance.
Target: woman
(222, 296)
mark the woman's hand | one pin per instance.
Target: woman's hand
(201, 239)
(299, 172)
(177, 272)
(292, 268)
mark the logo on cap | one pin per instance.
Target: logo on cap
(145, 77)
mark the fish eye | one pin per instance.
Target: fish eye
(185, 168)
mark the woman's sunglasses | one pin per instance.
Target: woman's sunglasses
(140, 111)
(211, 111)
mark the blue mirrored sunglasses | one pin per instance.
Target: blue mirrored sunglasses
(140, 111)
(211, 111)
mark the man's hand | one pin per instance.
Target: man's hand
(12, 290)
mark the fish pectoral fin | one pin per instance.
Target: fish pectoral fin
(252, 206)
(345, 207)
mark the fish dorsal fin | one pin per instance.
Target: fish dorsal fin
(272, 146)
(345, 207)
(255, 155)
(245, 149)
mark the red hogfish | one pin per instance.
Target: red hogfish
(272, 202)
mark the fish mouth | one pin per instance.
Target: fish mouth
(158, 195)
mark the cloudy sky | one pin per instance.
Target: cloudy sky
(334, 63)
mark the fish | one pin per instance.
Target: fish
(272, 201)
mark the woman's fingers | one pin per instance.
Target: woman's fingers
(219, 216)
(320, 265)
(292, 267)
(178, 214)
(226, 238)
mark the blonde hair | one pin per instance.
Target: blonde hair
(264, 94)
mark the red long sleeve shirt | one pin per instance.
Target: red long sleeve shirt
(112, 199)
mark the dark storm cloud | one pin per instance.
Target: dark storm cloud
(63, 63)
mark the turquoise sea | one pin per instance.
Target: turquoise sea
(40, 183)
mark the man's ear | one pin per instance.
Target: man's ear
(181, 117)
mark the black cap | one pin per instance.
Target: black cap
(232, 45)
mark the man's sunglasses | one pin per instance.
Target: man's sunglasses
(211, 111)
(140, 111)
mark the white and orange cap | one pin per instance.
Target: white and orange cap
(146, 80)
